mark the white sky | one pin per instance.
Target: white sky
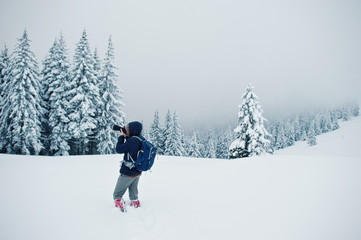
(197, 56)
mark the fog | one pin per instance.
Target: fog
(197, 57)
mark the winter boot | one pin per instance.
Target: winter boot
(135, 203)
(119, 203)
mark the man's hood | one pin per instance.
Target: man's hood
(135, 128)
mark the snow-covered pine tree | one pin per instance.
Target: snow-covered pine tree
(222, 143)
(93, 140)
(22, 112)
(289, 134)
(334, 120)
(184, 143)
(178, 137)
(304, 135)
(209, 150)
(281, 140)
(97, 62)
(271, 128)
(211, 147)
(326, 122)
(250, 132)
(355, 109)
(311, 136)
(110, 109)
(346, 115)
(173, 142)
(145, 132)
(47, 76)
(194, 149)
(156, 134)
(230, 135)
(84, 98)
(58, 79)
(303, 127)
(167, 132)
(4, 63)
(297, 128)
(317, 119)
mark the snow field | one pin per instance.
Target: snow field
(300, 192)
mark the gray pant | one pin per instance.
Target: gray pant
(125, 182)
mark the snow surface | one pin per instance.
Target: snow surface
(301, 192)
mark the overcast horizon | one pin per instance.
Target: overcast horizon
(197, 57)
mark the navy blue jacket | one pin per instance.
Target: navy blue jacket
(130, 146)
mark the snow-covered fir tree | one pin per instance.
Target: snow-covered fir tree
(93, 138)
(178, 137)
(334, 120)
(326, 124)
(4, 63)
(250, 132)
(304, 135)
(297, 128)
(355, 109)
(209, 148)
(167, 131)
(317, 125)
(156, 134)
(289, 133)
(281, 137)
(311, 136)
(97, 62)
(184, 143)
(58, 80)
(145, 132)
(346, 114)
(21, 109)
(223, 140)
(303, 126)
(47, 77)
(110, 109)
(84, 99)
(173, 137)
(194, 149)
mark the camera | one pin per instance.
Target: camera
(117, 128)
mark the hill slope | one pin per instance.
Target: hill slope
(300, 192)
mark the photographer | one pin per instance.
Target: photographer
(129, 175)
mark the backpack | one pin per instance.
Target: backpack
(146, 155)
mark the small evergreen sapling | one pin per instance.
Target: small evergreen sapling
(311, 138)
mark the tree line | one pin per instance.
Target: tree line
(64, 108)
(307, 125)
(171, 139)
(69, 108)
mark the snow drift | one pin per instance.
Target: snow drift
(300, 192)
